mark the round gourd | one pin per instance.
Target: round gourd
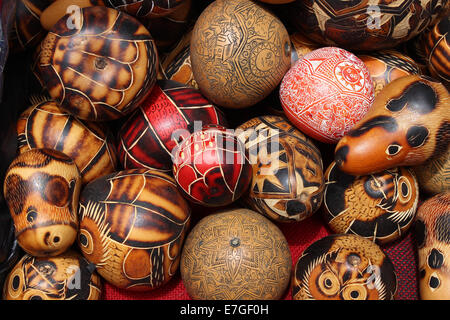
(170, 114)
(132, 227)
(326, 93)
(380, 207)
(45, 125)
(344, 267)
(41, 189)
(239, 52)
(211, 167)
(362, 25)
(68, 276)
(387, 65)
(287, 182)
(99, 67)
(235, 255)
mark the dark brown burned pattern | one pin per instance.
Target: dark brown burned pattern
(387, 65)
(26, 27)
(380, 207)
(434, 175)
(65, 277)
(132, 227)
(239, 52)
(433, 241)
(362, 25)
(408, 123)
(102, 68)
(145, 9)
(288, 182)
(45, 125)
(436, 43)
(344, 267)
(41, 189)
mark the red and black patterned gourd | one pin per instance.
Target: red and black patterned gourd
(101, 68)
(211, 167)
(45, 125)
(41, 189)
(132, 227)
(169, 115)
(408, 124)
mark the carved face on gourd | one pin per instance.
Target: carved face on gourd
(343, 267)
(41, 189)
(433, 241)
(379, 207)
(407, 124)
(65, 277)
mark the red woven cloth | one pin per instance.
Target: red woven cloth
(299, 236)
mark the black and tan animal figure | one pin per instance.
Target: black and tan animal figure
(433, 241)
(41, 189)
(408, 123)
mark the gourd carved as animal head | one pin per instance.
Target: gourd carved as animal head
(408, 123)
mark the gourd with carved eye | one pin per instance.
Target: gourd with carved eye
(132, 227)
(68, 276)
(408, 124)
(41, 189)
(344, 267)
(433, 242)
(380, 207)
